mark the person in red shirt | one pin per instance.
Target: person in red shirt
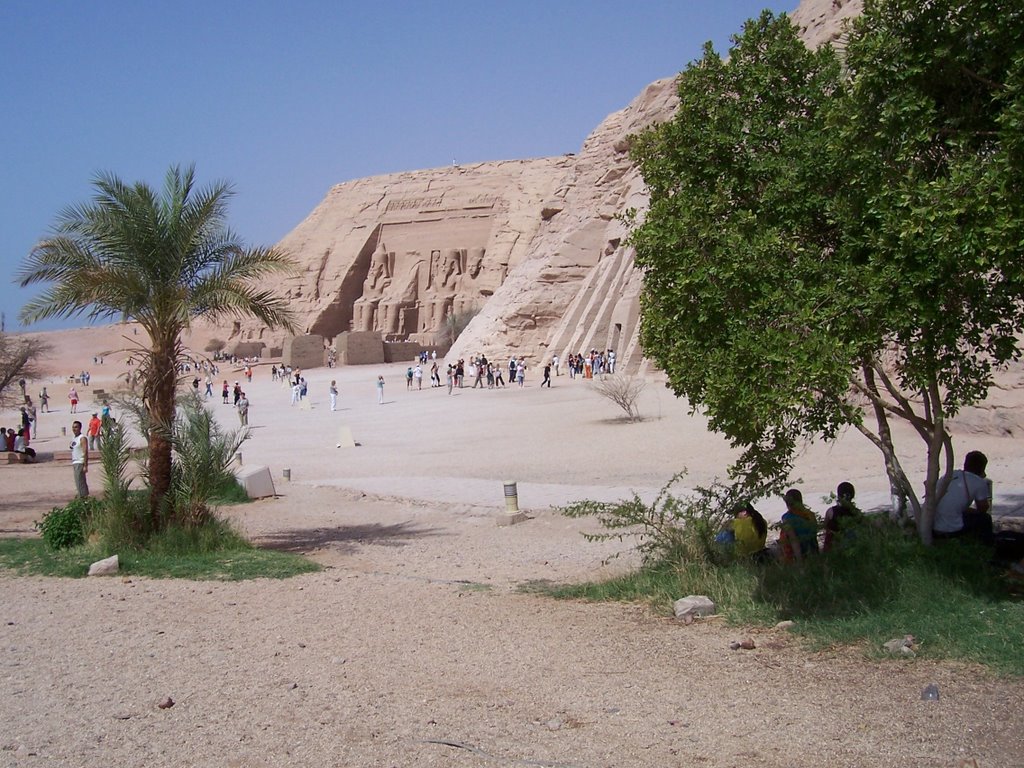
(93, 431)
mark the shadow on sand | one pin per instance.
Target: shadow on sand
(304, 540)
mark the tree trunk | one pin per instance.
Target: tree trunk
(160, 405)
(938, 443)
(899, 485)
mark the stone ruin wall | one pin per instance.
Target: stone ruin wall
(534, 246)
(397, 254)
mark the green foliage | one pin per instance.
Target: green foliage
(201, 470)
(161, 260)
(671, 529)
(122, 523)
(64, 527)
(731, 247)
(115, 456)
(818, 242)
(230, 491)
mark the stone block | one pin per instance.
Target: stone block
(257, 481)
(359, 348)
(692, 606)
(305, 351)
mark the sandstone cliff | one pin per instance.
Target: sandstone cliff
(535, 247)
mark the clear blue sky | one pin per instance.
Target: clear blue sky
(286, 99)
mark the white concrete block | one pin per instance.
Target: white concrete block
(257, 481)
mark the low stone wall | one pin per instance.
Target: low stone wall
(401, 351)
(359, 348)
(367, 347)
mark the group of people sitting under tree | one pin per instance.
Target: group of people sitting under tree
(747, 532)
(963, 512)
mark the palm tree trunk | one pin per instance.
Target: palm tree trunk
(160, 404)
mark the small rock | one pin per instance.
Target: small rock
(692, 606)
(930, 692)
(105, 567)
(292, 686)
(122, 715)
(785, 624)
(554, 725)
(903, 646)
(166, 702)
(746, 644)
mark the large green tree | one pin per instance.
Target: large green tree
(161, 259)
(824, 241)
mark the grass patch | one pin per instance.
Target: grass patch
(475, 586)
(31, 557)
(880, 585)
(229, 491)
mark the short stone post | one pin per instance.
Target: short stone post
(512, 514)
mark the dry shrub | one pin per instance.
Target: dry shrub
(623, 391)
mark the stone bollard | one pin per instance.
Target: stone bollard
(511, 497)
(286, 474)
(512, 514)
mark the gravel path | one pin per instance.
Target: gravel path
(415, 646)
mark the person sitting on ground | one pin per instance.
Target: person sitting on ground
(954, 516)
(798, 536)
(840, 515)
(746, 532)
(21, 446)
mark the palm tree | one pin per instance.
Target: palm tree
(160, 260)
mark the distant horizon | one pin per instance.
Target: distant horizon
(285, 103)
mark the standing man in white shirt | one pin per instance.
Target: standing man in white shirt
(80, 459)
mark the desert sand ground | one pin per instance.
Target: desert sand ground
(414, 647)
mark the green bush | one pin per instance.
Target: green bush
(67, 526)
(671, 529)
(203, 453)
(123, 521)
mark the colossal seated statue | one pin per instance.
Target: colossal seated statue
(378, 278)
